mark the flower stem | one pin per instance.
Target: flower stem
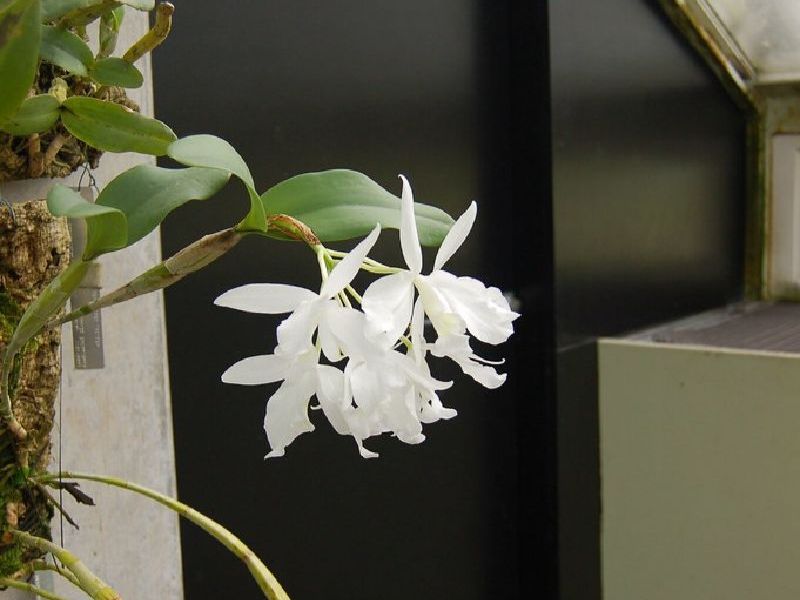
(27, 587)
(264, 578)
(320, 251)
(356, 296)
(370, 265)
(87, 581)
(40, 565)
(406, 342)
(192, 258)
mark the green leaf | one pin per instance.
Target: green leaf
(106, 226)
(110, 24)
(19, 52)
(65, 49)
(147, 194)
(210, 151)
(52, 10)
(115, 71)
(256, 218)
(36, 114)
(342, 204)
(114, 128)
(45, 305)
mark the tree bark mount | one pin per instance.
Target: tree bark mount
(34, 248)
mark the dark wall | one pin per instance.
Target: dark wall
(648, 171)
(439, 91)
(648, 203)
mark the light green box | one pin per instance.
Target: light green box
(700, 472)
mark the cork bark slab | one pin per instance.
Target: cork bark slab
(34, 248)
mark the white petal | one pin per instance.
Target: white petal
(457, 348)
(417, 374)
(409, 239)
(485, 311)
(400, 417)
(265, 298)
(287, 413)
(330, 393)
(366, 388)
(418, 332)
(437, 307)
(486, 376)
(343, 273)
(456, 236)
(387, 304)
(255, 370)
(294, 333)
(348, 326)
(364, 452)
(431, 409)
(327, 339)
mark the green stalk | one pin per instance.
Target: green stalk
(27, 587)
(264, 578)
(88, 581)
(40, 565)
(192, 258)
(36, 316)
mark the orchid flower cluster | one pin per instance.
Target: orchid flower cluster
(380, 388)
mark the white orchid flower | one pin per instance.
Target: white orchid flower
(378, 391)
(385, 390)
(295, 360)
(287, 409)
(453, 304)
(309, 310)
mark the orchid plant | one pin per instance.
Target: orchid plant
(364, 356)
(64, 103)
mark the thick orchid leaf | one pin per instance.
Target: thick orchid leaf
(110, 24)
(114, 128)
(211, 151)
(45, 305)
(35, 115)
(20, 34)
(256, 218)
(66, 50)
(106, 226)
(147, 194)
(115, 71)
(342, 204)
(52, 10)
